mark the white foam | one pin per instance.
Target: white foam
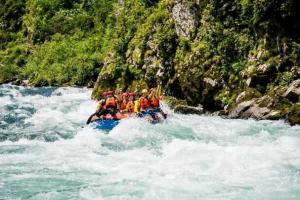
(186, 157)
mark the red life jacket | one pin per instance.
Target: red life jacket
(130, 106)
(110, 103)
(123, 105)
(144, 103)
(154, 102)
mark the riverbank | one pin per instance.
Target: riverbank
(284, 104)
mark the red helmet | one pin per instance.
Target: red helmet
(108, 93)
(125, 94)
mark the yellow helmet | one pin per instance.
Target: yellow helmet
(144, 91)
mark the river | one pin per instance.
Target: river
(47, 152)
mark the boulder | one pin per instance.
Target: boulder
(255, 112)
(184, 109)
(265, 101)
(293, 91)
(240, 108)
(257, 108)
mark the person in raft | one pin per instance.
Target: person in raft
(131, 103)
(150, 102)
(119, 105)
(109, 105)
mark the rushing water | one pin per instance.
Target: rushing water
(46, 152)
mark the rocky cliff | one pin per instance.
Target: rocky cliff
(241, 57)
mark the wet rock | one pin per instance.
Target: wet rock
(293, 91)
(258, 108)
(265, 107)
(237, 111)
(255, 112)
(293, 116)
(184, 109)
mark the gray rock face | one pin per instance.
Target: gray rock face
(236, 112)
(240, 97)
(184, 17)
(293, 91)
(255, 112)
(257, 108)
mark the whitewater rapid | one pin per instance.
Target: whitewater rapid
(47, 152)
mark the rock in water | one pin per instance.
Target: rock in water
(255, 112)
(293, 91)
(237, 111)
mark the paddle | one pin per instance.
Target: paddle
(90, 118)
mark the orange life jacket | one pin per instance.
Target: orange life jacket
(110, 102)
(130, 105)
(154, 102)
(144, 103)
(123, 105)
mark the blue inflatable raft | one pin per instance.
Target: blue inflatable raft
(106, 124)
(109, 124)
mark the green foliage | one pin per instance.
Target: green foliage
(11, 61)
(286, 78)
(64, 61)
(11, 12)
(136, 43)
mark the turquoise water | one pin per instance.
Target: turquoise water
(46, 152)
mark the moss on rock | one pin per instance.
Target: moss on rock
(294, 115)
